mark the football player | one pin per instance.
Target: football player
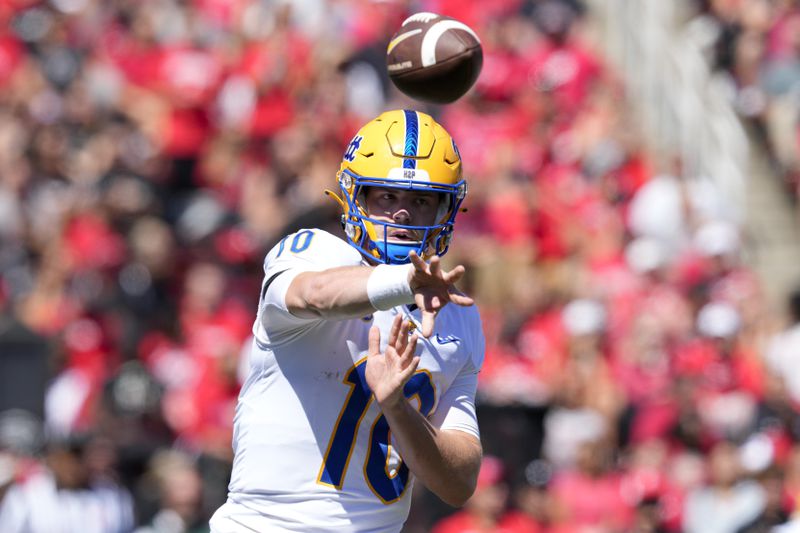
(345, 404)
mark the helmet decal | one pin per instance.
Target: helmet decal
(412, 139)
(350, 153)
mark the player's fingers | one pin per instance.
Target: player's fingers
(417, 261)
(374, 340)
(394, 331)
(436, 266)
(402, 339)
(461, 299)
(411, 347)
(454, 275)
(404, 356)
(423, 300)
(410, 369)
(428, 319)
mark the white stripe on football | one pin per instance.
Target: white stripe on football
(423, 17)
(428, 48)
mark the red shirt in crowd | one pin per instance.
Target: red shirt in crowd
(465, 522)
(591, 500)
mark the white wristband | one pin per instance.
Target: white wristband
(387, 286)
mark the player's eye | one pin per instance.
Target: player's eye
(427, 201)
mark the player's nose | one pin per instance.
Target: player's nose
(402, 214)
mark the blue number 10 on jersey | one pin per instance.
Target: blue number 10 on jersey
(300, 242)
(386, 486)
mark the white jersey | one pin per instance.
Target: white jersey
(312, 450)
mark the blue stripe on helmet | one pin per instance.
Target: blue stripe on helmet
(412, 138)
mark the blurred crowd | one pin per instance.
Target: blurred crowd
(756, 44)
(151, 152)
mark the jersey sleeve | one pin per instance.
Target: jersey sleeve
(456, 409)
(308, 250)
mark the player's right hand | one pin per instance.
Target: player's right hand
(434, 288)
(388, 371)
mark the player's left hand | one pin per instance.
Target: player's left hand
(388, 372)
(434, 288)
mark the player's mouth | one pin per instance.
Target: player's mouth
(403, 236)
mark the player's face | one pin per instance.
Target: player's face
(408, 208)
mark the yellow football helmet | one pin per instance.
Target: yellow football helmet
(408, 150)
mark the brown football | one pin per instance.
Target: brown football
(434, 58)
